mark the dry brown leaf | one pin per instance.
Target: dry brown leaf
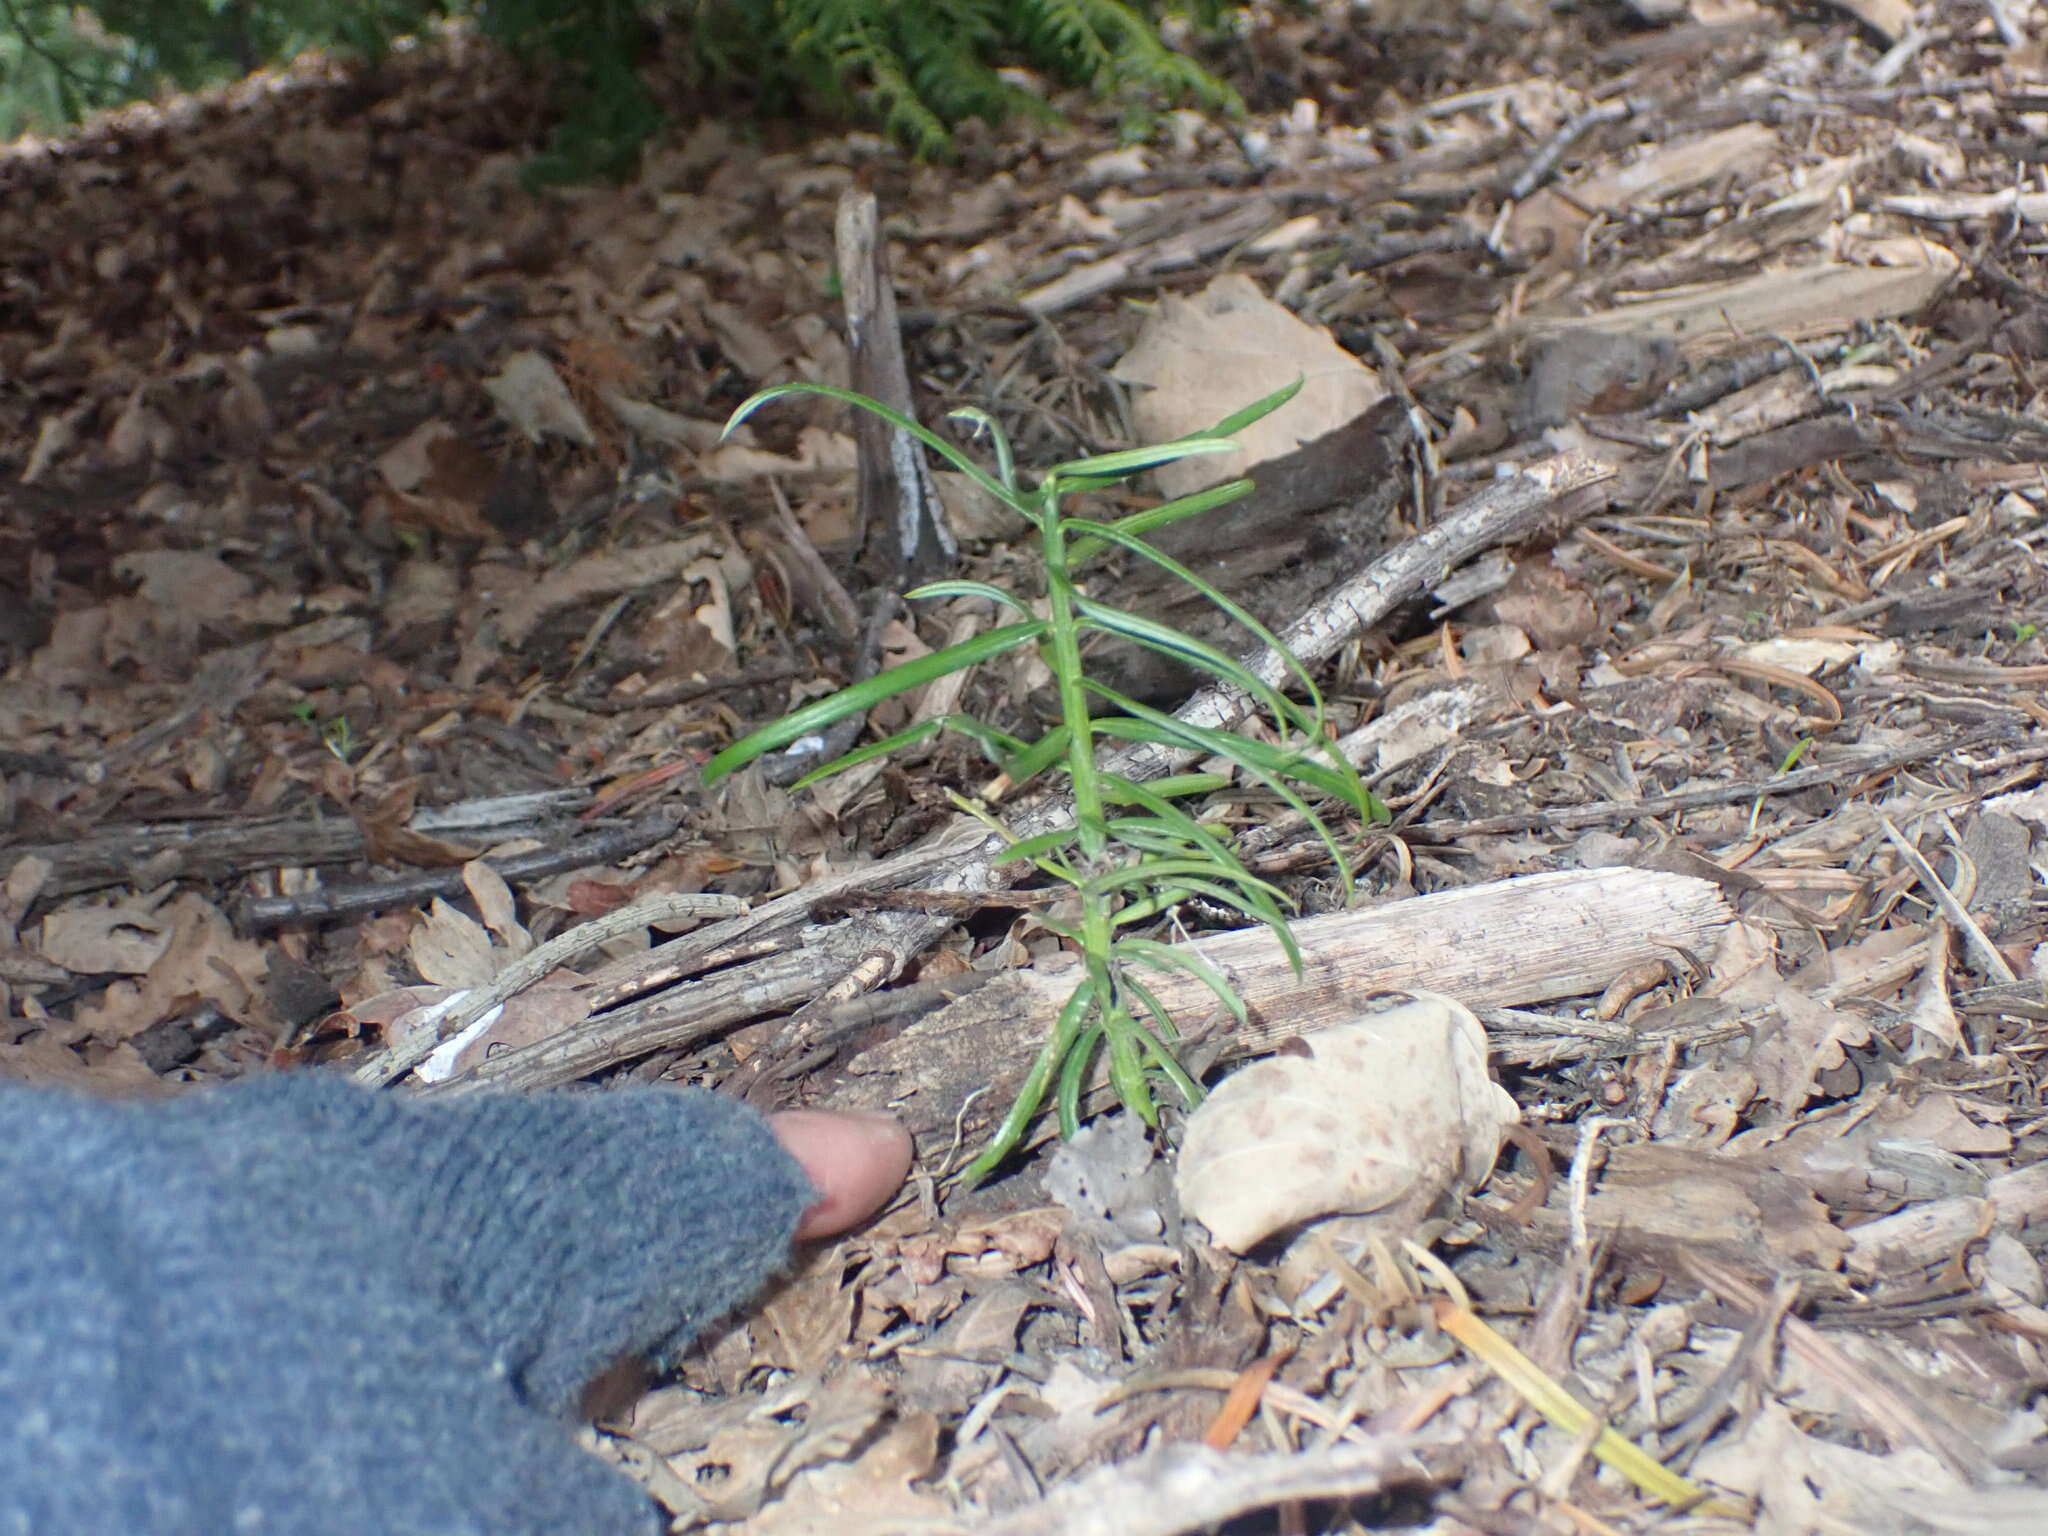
(532, 397)
(751, 348)
(203, 960)
(601, 575)
(124, 937)
(736, 1461)
(1890, 19)
(498, 907)
(389, 839)
(1808, 1486)
(451, 949)
(1383, 1115)
(818, 452)
(405, 465)
(804, 1321)
(186, 581)
(1197, 360)
(1814, 1037)
(42, 1061)
(1937, 1032)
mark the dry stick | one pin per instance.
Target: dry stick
(903, 534)
(1936, 1231)
(1233, 220)
(1359, 745)
(778, 974)
(694, 1011)
(1180, 1487)
(202, 850)
(335, 902)
(1599, 812)
(1544, 163)
(1980, 943)
(1893, 1412)
(685, 693)
(407, 1052)
(903, 531)
(840, 960)
(834, 604)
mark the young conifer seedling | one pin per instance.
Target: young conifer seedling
(1132, 850)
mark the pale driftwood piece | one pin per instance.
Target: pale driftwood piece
(837, 962)
(1528, 939)
(1795, 303)
(1176, 1488)
(784, 967)
(1958, 207)
(1935, 1232)
(903, 532)
(773, 922)
(1791, 303)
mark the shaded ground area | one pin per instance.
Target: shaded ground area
(376, 580)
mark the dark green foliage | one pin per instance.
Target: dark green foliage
(608, 112)
(915, 68)
(60, 60)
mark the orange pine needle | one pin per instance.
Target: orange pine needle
(1242, 1401)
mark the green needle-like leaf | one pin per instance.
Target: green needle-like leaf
(954, 588)
(1006, 464)
(945, 450)
(1180, 957)
(1073, 1076)
(1066, 1031)
(1126, 462)
(1089, 537)
(1033, 760)
(1180, 646)
(852, 700)
(1115, 534)
(1153, 1043)
(1259, 409)
(872, 750)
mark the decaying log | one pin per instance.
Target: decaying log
(1512, 942)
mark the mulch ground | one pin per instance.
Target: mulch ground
(376, 579)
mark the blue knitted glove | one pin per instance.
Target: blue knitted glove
(294, 1306)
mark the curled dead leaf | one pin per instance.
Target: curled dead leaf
(1384, 1115)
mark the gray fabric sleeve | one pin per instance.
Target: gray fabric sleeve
(293, 1305)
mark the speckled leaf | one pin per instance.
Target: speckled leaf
(1383, 1114)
